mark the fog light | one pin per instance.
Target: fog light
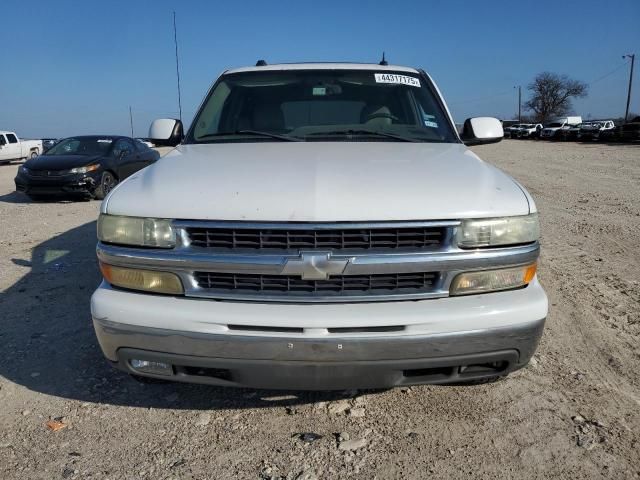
(147, 280)
(492, 280)
(148, 366)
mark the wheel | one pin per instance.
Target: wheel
(34, 154)
(107, 182)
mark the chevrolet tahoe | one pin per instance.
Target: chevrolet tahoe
(320, 226)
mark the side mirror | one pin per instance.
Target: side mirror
(480, 130)
(166, 132)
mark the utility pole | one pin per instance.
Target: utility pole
(175, 40)
(632, 56)
(519, 87)
(131, 120)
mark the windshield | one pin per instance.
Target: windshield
(89, 146)
(554, 124)
(321, 105)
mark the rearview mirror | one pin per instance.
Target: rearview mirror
(166, 132)
(481, 130)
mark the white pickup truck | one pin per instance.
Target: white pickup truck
(593, 130)
(12, 148)
(529, 130)
(320, 226)
(555, 129)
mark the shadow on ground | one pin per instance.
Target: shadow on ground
(19, 197)
(48, 343)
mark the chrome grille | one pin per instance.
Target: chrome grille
(341, 285)
(414, 237)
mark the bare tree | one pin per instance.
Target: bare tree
(551, 95)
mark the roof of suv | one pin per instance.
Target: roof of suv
(325, 66)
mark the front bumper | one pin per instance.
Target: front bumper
(73, 184)
(322, 347)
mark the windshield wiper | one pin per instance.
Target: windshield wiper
(285, 138)
(376, 133)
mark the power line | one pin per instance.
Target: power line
(619, 67)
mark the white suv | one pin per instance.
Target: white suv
(320, 226)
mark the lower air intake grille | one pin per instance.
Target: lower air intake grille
(343, 285)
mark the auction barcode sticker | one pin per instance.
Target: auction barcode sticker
(399, 79)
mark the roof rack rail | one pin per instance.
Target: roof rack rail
(261, 63)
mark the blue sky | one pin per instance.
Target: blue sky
(75, 67)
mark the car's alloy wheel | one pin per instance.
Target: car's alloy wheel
(107, 182)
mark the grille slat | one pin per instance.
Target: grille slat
(335, 239)
(339, 285)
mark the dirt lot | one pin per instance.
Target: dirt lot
(573, 413)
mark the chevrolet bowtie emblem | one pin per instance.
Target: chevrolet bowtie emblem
(315, 265)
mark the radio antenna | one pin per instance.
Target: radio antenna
(175, 40)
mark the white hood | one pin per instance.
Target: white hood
(319, 181)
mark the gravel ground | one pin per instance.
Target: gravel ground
(573, 413)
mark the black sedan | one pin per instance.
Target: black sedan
(88, 166)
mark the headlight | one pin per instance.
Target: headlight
(24, 169)
(87, 169)
(493, 232)
(144, 232)
(146, 280)
(492, 280)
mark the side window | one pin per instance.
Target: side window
(122, 145)
(141, 147)
(12, 138)
(209, 120)
(2, 140)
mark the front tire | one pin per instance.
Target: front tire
(107, 182)
(34, 154)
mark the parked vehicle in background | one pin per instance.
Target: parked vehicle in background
(630, 131)
(593, 130)
(506, 127)
(321, 227)
(88, 166)
(512, 131)
(47, 143)
(530, 130)
(553, 131)
(570, 133)
(146, 142)
(612, 135)
(12, 148)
